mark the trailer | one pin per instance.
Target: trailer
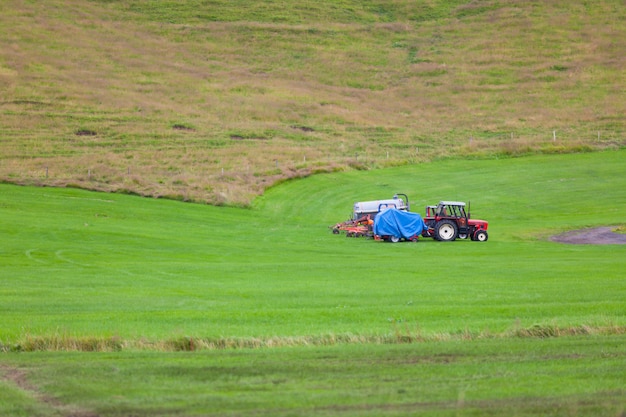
(394, 225)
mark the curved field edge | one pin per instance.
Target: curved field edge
(94, 271)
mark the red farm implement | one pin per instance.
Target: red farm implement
(364, 213)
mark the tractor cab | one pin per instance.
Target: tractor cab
(451, 209)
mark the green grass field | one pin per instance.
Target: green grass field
(289, 319)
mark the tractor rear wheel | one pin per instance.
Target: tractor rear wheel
(446, 231)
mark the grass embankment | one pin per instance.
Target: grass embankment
(214, 102)
(522, 377)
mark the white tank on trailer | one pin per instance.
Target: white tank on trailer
(373, 207)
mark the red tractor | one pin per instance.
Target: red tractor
(448, 221)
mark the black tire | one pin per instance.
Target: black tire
(446, 231)
(394, 239)
(481, 236)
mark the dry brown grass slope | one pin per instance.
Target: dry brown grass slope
(203, 102)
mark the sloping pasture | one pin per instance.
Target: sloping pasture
(516, 325)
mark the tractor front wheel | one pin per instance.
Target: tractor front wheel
(481, 236)
(446, 231)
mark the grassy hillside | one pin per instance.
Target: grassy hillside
(216, 100)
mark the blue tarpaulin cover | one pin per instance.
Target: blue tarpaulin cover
(401, 224)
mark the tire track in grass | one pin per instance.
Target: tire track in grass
(59, 255)
(125, 272)
(18, 378)
(29, 255)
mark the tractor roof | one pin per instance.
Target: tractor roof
(452, 203)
